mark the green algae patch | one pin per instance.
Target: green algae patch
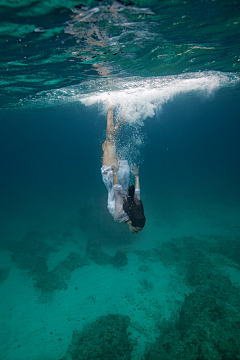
(31, 255)
(106, 338)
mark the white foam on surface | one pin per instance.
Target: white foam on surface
(135, 98)
(141, 99)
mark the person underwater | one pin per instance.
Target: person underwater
(124, 202)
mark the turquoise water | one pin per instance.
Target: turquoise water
(73, 283)
(51, 45)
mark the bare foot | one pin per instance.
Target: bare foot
(111, 105)
(121, 120)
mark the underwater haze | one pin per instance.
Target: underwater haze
(74, 284)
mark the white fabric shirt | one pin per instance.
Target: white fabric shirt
(117, 193)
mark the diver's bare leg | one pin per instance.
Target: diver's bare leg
(110, 124)
(109, 146)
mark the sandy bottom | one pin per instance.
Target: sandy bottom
(32, 328)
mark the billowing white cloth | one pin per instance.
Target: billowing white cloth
(116, 193)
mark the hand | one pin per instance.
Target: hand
(135, 170)
(111, 106)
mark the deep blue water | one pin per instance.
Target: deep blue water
(172, 69)
(193, 144)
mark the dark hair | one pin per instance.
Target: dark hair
(134, 209)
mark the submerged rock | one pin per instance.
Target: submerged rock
(206, 326)
(95, 253)
(106, 338)
(119, 259)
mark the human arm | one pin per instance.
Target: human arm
(115, 171)
(119, 214)
(115, 179)
(135, 172)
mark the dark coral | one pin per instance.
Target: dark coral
(207, 326)
(95, 253)
(106, 338)
(119, 259)
(3, 275)
(31, 255)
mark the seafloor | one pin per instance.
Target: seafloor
(75, 285)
